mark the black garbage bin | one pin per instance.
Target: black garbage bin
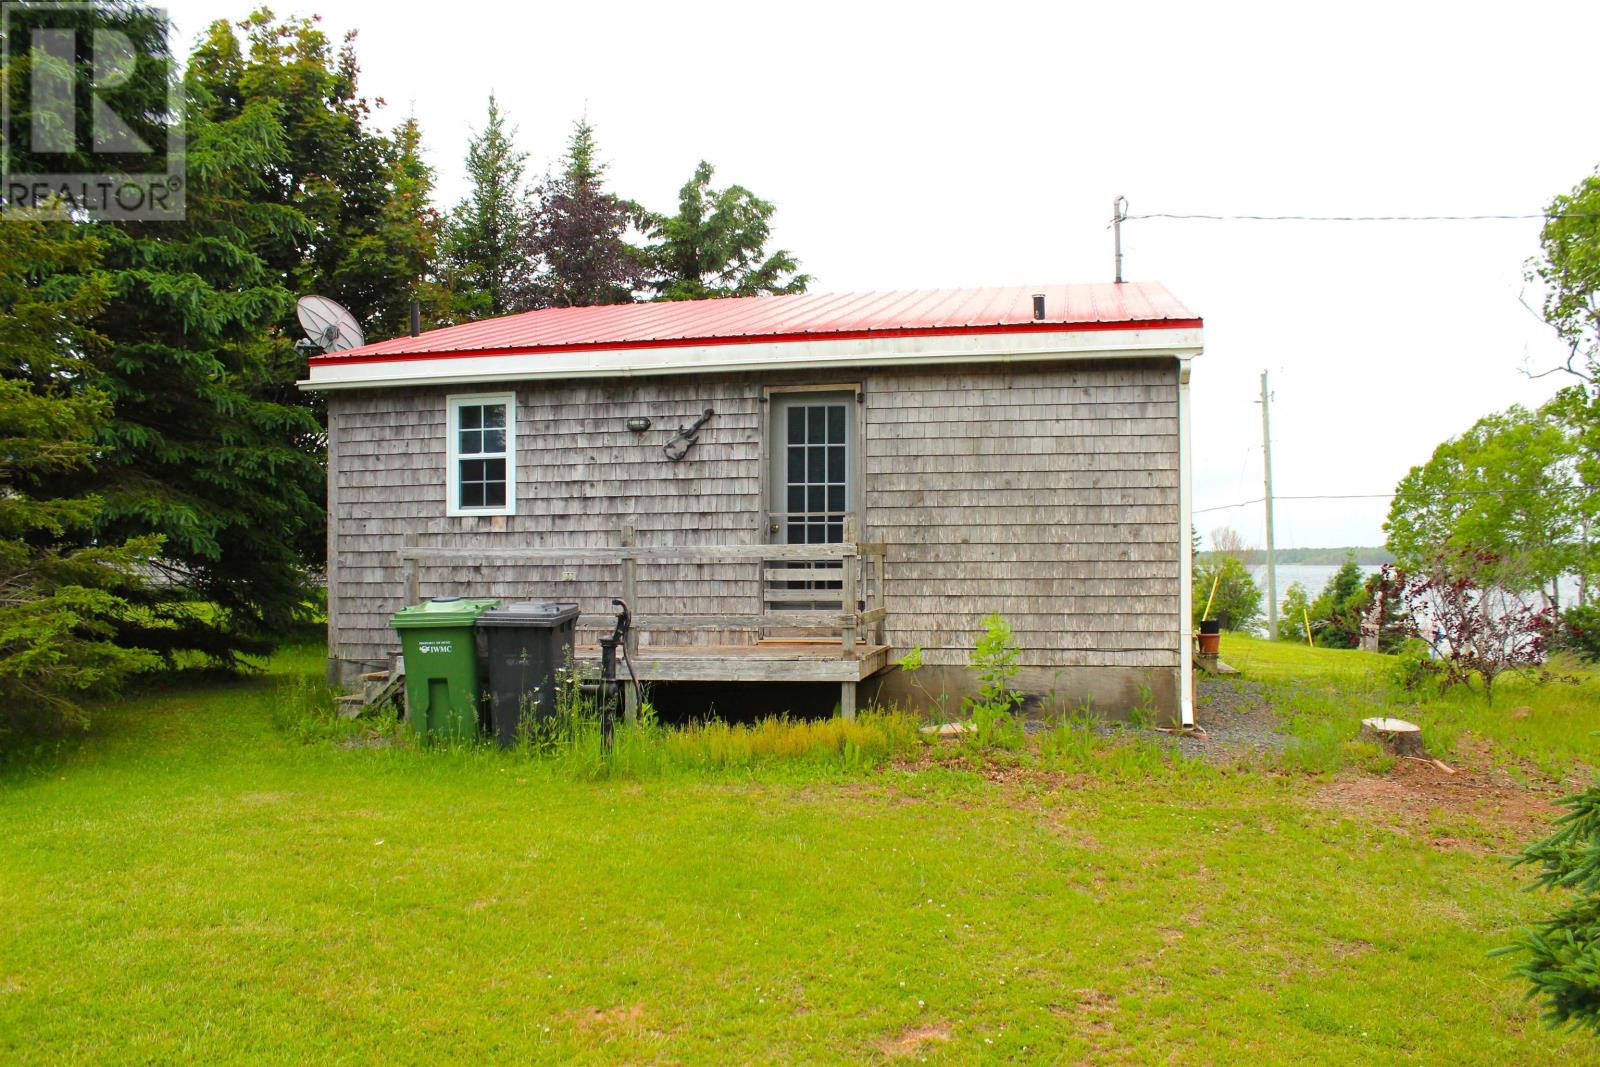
(529, 642)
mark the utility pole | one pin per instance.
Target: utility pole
(1266, 458)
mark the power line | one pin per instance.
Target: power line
(1365, 218)
(1390, 495)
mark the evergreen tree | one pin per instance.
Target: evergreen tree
(578, 234)
(1337, 612)
(716, 245)
(486, 239)
(206, 445)
(64, 601)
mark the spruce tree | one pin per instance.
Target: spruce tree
(485, 244)
(66, 592)
(207, 445)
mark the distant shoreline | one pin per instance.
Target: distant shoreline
(1365, 555)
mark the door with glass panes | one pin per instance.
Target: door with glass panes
(813, 438)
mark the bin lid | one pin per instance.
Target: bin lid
(443, 611)
(537, 613)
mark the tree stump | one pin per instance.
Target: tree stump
(1395, 735)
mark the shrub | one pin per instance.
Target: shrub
(993, 710)
(1580, 631)
(1485, 625)
(1237, 604)
(1293, 613)
(1562, 953)
(1414, 669)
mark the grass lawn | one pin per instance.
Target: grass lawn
(193, 882)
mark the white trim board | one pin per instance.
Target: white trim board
(452, 471)
(622, 362)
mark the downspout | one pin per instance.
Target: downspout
(1185, 555)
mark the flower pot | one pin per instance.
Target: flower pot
(1210, 644)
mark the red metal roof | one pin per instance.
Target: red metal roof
(805, 317)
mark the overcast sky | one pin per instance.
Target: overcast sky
(982, 144)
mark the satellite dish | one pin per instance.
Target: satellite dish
(328, 325)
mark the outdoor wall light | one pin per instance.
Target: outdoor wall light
(638, 424)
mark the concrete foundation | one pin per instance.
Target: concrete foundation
(1110, 692)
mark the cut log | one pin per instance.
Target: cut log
(1395, 735)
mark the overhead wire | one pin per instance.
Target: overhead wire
(1389, 495)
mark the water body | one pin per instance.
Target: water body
(1315, 575)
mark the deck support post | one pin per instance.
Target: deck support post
(408, 563)
(630, 592)
(847, 701)
(850, 595)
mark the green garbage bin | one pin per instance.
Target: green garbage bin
(441, 657)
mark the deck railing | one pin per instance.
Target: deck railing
(802, 589)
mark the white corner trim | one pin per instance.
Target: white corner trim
(452, 475)
(463, 369)
(1185, 553)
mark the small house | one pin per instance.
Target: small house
(789, 488)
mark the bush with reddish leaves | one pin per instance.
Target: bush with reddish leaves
(1478, 626)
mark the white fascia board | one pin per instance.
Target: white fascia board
(625, 362)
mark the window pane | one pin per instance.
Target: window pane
(494, 470)
(835, 423)
(472, 470)
(816, 418)
(494, 415)
(494, 494)
(814, 501)
(470, 416)
(797, 533)
(815, 533)
(815, 470)
(836, 463)
(797, 464)
(797, 498)
(835, 533)
(494, 441)
(471, 442)
(797, 426)
(835, 498)
(472, 494)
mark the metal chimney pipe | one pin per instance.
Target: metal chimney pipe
(416, 317)
(1038, 305)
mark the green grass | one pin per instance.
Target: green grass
(1325, 693)
(208, 878)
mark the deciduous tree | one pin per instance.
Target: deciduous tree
(578, 235)
(716, 245)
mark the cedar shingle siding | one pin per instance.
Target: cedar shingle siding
(1048, 493)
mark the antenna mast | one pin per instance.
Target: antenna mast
(1119, 211)
(1266, 454)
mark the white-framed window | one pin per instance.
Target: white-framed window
(482, 454)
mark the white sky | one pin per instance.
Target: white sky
(926, 144)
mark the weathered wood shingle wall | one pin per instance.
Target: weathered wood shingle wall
(1046, 493)
(1049, 495)
(582, 478)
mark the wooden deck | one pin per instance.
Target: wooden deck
(820, 609)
